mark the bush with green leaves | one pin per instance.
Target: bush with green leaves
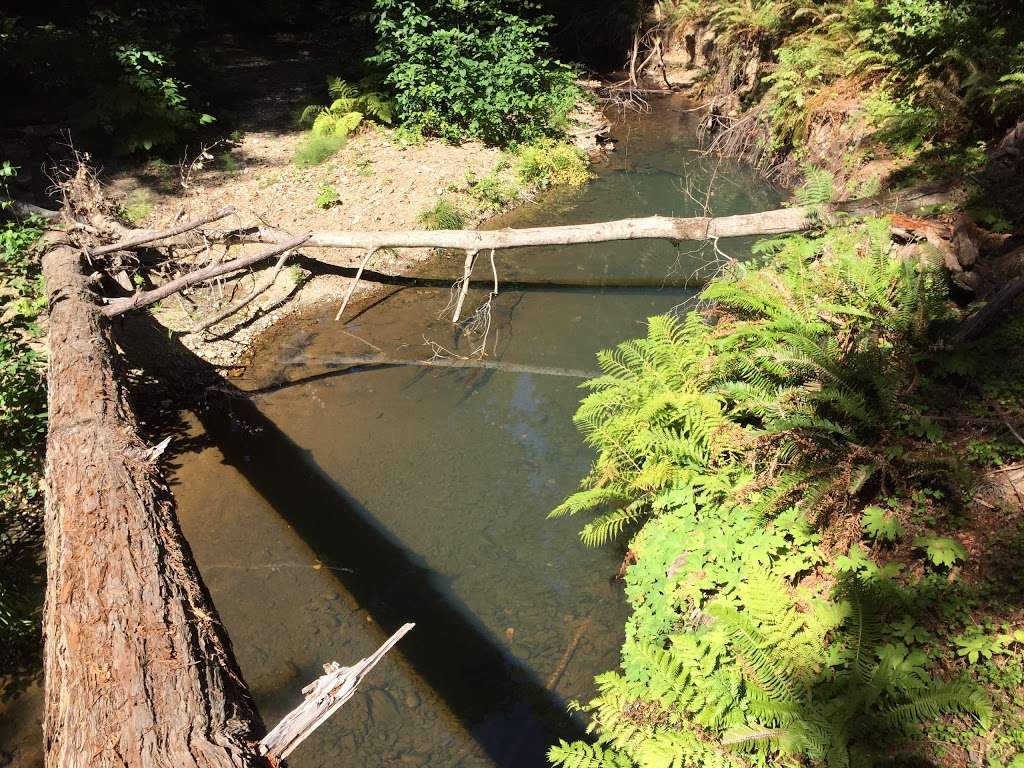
(934, 75)
(731, 443)
(482, 70)
(116, 74)
(546, 163)
(22, 439)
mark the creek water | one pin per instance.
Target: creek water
(345, 500)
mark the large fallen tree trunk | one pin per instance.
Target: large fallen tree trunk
(138, 669)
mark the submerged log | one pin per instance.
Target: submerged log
(139, 670)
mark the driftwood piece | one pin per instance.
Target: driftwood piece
(570, 649)
(139, 671)
(148, 236)
(145, 298)
(467, 272)
(337, 361)
(21, 210)
(355, 282)
(324, 696)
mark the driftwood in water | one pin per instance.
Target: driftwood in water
(139, 671)
(324, 696)
(382, 361)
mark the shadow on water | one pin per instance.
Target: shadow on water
(500, 702)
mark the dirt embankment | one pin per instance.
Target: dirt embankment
(727, 76)
(376, 184)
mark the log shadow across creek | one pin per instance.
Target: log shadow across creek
(501, 703)
(329, 502)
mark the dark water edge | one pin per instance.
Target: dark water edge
(345, 500)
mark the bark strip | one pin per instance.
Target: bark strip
(139, 670)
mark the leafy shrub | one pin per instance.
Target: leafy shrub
(115, 73)
(546, 162)
(328, 197)
(723, 439)
(472, 70)
(442, 215)
(22, 437)
(494, 191)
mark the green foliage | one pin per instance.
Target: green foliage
(546, 162)
(22, 436)
(724, 439)
(314, 149)
(331, 125)
(812, 350)
(327, 197)
(472, 70)
(941, 551)
(494, 191)
(443, 214)
(137, 206)
(976, 644)
(818, 187)
(145, 106)
(881, 524)
(935, 76)
(109, 71)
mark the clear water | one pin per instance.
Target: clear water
(344, 501)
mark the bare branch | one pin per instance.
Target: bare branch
(467, 270)
(270, 279)
(145, 298)
(150, 236)
(355, 281)
(324, 697)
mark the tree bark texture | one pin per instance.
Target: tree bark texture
(138, 669)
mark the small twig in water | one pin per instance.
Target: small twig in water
(355, 281)
(466, 272)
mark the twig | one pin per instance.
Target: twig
(567, 655)
(1005, 418)
(355, 281)
(467, 270)
(265, 285)
(149, 236)
(324, 697)
(145, 298)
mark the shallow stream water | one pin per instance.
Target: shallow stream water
(351, 499)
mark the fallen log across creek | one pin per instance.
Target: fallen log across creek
(138, 668)
(472, 242)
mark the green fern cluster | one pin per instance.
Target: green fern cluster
(811, 351)
(331, 125)
(723, 439)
